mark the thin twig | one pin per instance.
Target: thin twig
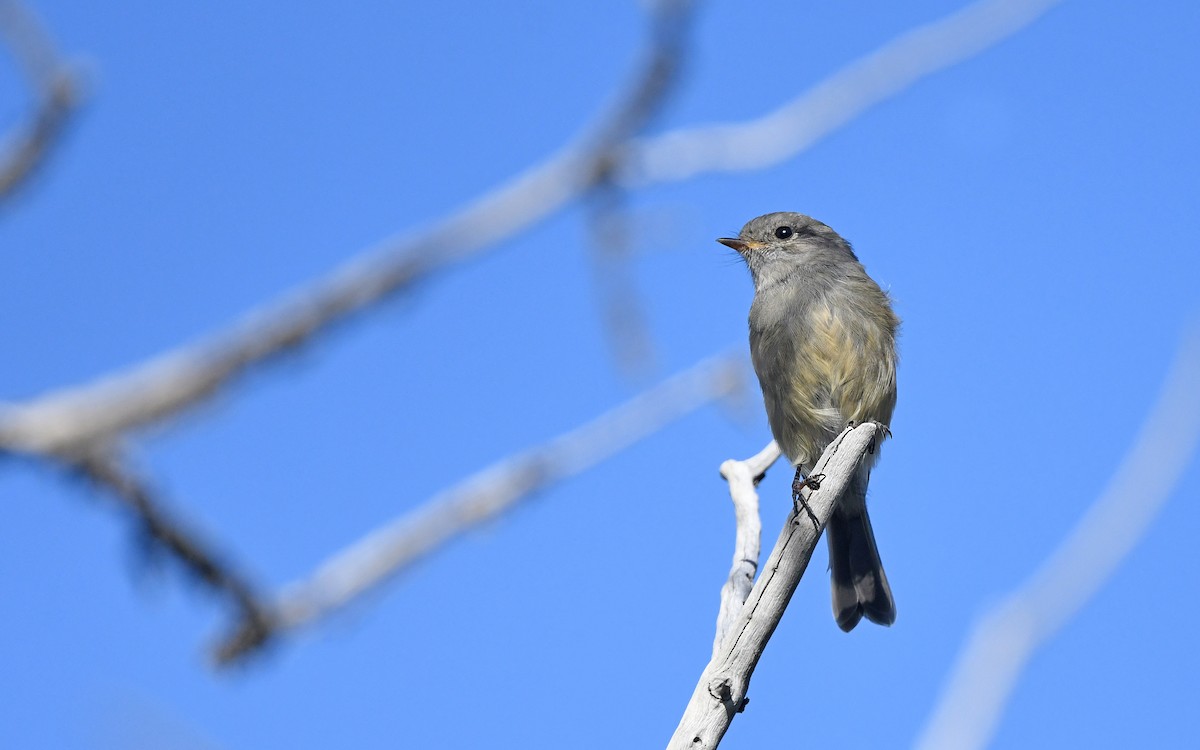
(743, 478)
(485, 495)
(721, 692)
(64, 421)
(55, 87)
(1005, 638)
(108, 472)
(831, 104)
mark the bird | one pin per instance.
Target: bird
(823, 344)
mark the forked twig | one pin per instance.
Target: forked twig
(720, 693)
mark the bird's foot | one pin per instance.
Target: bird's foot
(800, 483)
(887, 433)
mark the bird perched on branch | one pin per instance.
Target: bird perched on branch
(823, 342)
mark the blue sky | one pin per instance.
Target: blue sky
(1032, 211)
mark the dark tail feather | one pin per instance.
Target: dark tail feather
(860, 586)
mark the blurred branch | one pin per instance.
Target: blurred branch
(483, 496)
(74, 425)
(743, 478)
(831, 104)
(1005, 639)
(161, 387)
(721, 692)
(54, 85)
(622, 311)
(108, 472)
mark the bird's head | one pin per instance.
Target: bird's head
(782, 243)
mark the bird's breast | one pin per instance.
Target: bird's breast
(822, 364)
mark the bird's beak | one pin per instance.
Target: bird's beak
(739, 244)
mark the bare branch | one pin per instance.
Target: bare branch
(106, 471)
(485, 495)
(721, 691)
(66, 420)
(743, 478)
(55, 87)
(796, 126)
(1005, 638)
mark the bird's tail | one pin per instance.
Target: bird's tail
(860, 586)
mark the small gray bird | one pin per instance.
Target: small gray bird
(823, 342)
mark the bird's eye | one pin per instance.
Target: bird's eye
(783, 232)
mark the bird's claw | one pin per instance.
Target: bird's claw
(800, 483)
